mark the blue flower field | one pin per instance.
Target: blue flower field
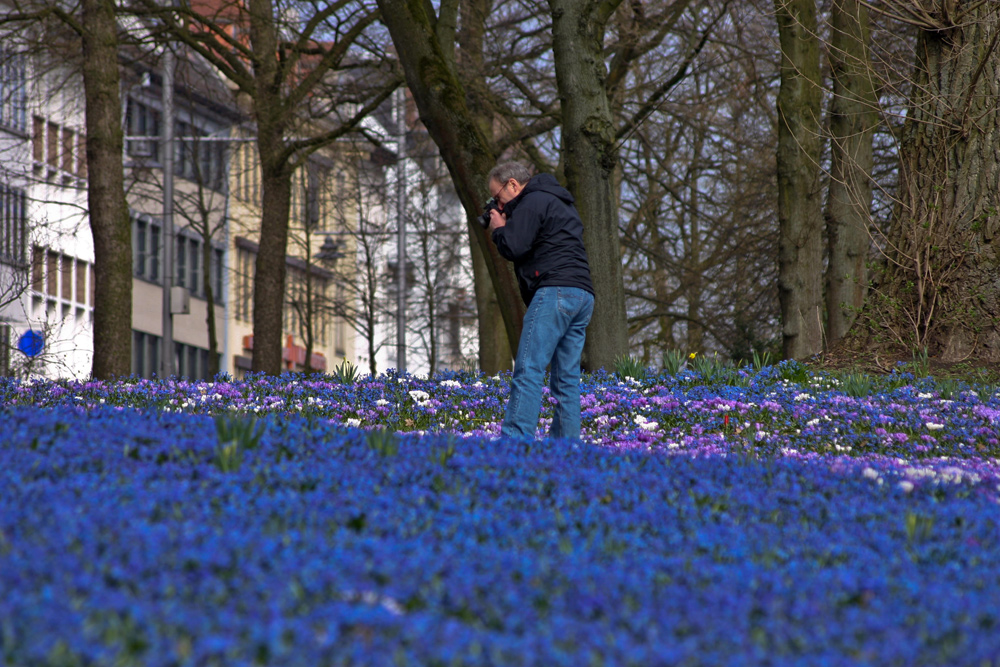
(768, 516)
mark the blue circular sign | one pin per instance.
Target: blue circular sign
(31, 343)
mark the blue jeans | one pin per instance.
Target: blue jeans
(554, 330)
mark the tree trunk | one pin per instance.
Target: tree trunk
(206, 275)
(271, 269)
(441, 100)
(307, 319)
(276, 183)
(494, 349)
(371, 310)
(109, 218)
(938, 289)
(590, 157)
(800, 256)
(852, 126)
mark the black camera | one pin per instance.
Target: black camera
(491, 205)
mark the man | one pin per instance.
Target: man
(537, 227)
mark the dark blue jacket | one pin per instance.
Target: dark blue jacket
(544, 238)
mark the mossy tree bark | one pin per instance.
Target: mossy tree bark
(273, 118)
(109, 218)
(853, 117)
(800, 221)
(589, 159)
(210, 301)
(495, 350)
(939, 288)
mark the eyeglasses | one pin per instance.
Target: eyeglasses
(501, 190)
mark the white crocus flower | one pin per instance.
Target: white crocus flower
(645, 424)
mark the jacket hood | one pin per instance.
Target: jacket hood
(548, 183)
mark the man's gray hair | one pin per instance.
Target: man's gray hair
(505, 171)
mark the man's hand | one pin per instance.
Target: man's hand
(497, 220)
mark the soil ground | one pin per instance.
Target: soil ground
(882, 363)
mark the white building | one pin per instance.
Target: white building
(46, 263)
(348, 192)
(440, 315)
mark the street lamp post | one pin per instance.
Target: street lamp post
(401, 223)
(167, 356)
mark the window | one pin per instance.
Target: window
(294, 310)
(81, 156)
(145, 354)
(217, 266)
(306, 307)
(52, 144)
(180, 262)
(243, 172)
(194, 253)
(253, 171)
(211, 156)
(68, 148)
(52, 273)
(238, 171)
(13, 90)
(66, 279)
(13, 226)
(188, 265)
(198, 160)
(247, 176)
(189, 361)
(154, 254)
(38, 139)
(81, 281)
(146, 248)
(245, 267)
(141, 120)
(62, 277)
(312, 198)
(184, 147)
(141, 244)
(37, 268)
(57, 149)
